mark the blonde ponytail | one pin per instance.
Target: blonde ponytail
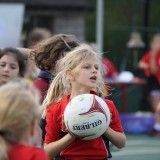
(56, 92)
(18, 110)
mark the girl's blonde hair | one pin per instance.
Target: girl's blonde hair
(60, 86)
(18, 110)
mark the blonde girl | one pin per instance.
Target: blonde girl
(19, 112)
(81, 72)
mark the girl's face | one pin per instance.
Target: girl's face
(9, 68)
(87, 75)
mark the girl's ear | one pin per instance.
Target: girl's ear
(70, 75)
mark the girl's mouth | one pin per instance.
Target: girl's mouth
(93, 78)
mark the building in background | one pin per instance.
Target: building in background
(59, 16)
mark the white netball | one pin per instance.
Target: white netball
(87, 116)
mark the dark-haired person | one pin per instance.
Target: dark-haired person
(12, 64)
(46, 54)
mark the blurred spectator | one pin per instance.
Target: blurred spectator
(19, 114)
(12, 64)
(150, 63)
(109, 69)
(37, 35)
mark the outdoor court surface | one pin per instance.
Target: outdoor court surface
(138, 147)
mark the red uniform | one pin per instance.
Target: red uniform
(22, 152)
(79, 149)
(146, 58)
(42, 83)
(109, 68)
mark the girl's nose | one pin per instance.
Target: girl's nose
(94, 70)
(6, 69)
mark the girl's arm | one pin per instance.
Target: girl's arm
(153, 66)
(117, 138)
(143, 65)
(29, 62)
(25, 52)
(115, 131)
(54, 148)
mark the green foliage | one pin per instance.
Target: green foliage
(118, 20)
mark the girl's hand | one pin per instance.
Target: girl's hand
(64, 128)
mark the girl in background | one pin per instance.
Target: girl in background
(46, 54)
(150, 63)
(19, 113)
(12, 64)
(80, 73)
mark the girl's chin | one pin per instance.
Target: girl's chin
(4, 81)
(88, 87)
(93, 87)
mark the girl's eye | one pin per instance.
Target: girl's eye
(86, 67)
(13, 67)
(2, 65)
(97, 68)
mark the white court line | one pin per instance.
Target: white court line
(137, 151)
(139, 142)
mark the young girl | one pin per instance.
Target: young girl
(80, 74)
(150, 63)
(12, 64)
(46, 54)
(19, 113)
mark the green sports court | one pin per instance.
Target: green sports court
(138, 147)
